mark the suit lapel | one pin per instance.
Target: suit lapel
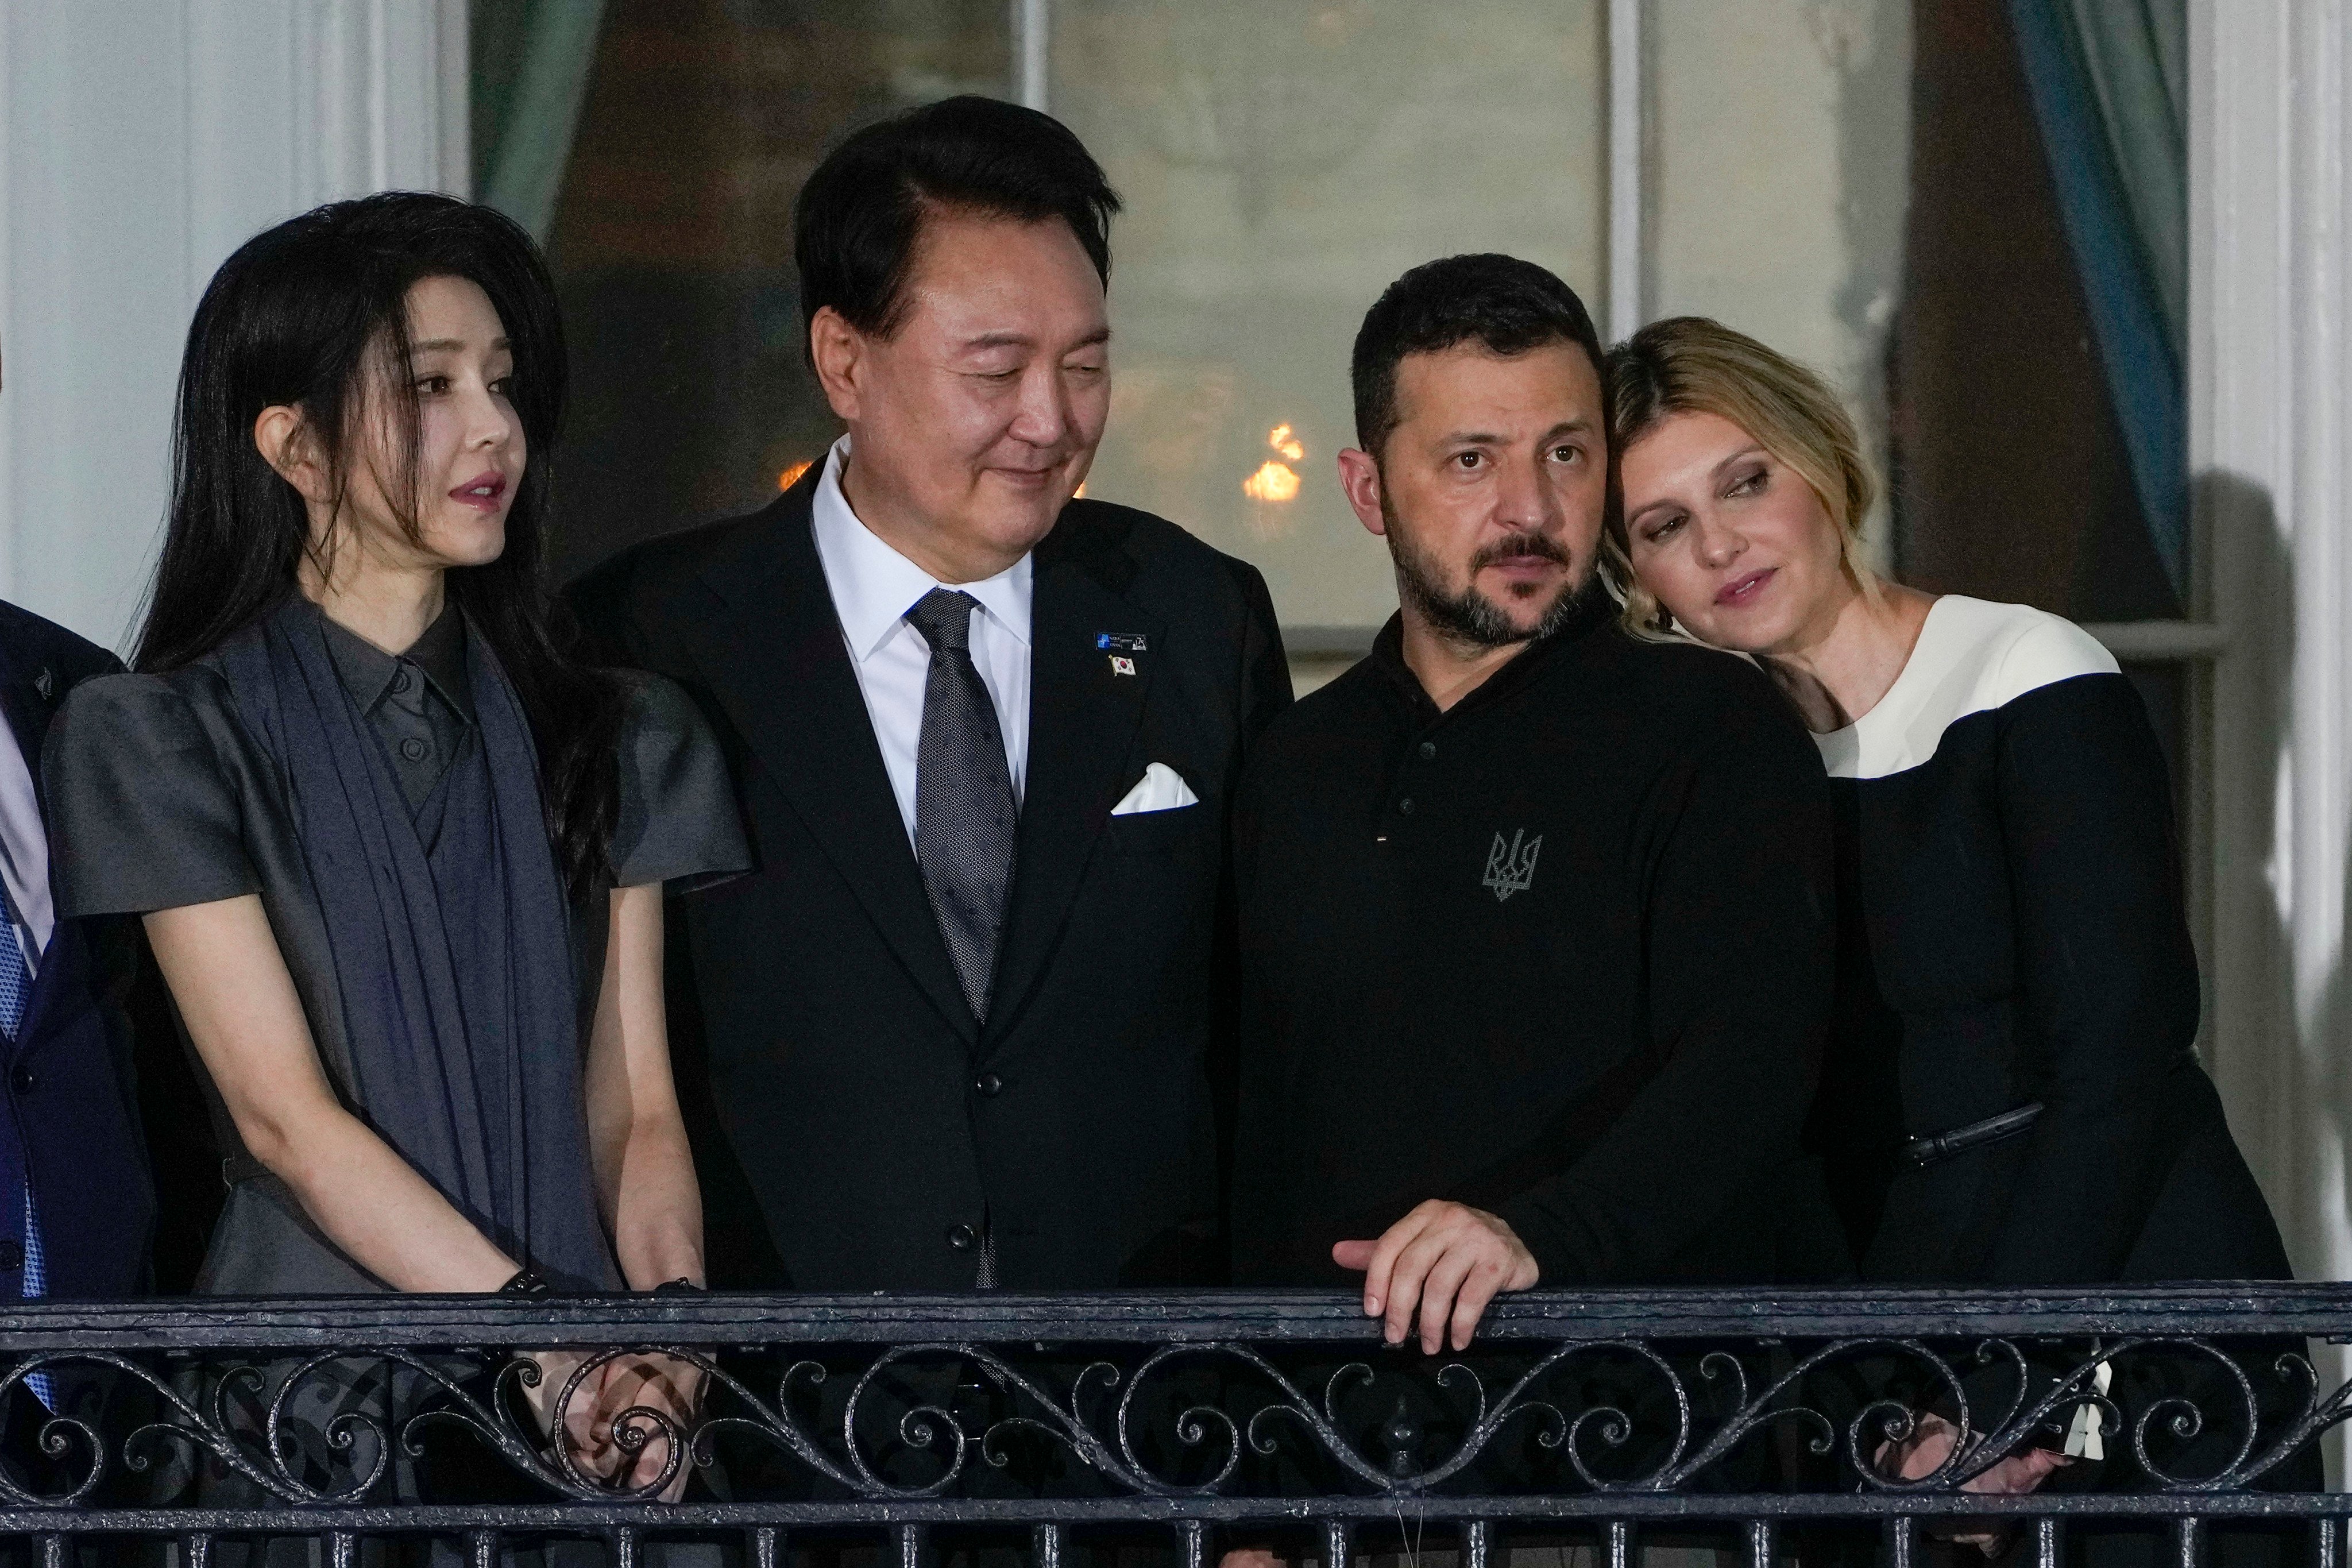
(27, 698)
(779, 664)
(27, 708)
(1083, 718)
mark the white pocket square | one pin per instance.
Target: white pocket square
(1162, 788)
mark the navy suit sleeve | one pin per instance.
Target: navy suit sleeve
(2105, 972)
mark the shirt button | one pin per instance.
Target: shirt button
(12, 1255)
(1428, 749)
(1405, 805)
(962, 1238)
(413, 749)
(990, 1085)
(401, 683)
(21, 1080)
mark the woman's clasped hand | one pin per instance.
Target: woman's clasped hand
(623, 1414)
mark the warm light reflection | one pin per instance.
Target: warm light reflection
(1080, 493)
(1283, 439)
(1274, 482)
(784, 480)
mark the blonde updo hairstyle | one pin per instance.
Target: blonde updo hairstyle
(1689, 364)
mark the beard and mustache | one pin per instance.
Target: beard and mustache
(1468, 616)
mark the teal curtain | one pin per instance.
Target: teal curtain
(532, 63)
(2110, 94)
(2135, 54)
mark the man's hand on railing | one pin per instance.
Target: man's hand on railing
(1930, 1444)
(1446, 1260)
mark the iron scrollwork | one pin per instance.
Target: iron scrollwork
(1191, 1418)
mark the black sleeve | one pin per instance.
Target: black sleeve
(678, 822)
(141, 815)
(1741, 948)
(1266, 668)
(1265, 693)
(2107, 977)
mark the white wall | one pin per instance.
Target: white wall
(140, 141)
(2271, 449)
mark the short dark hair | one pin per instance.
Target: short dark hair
(1505, 305)
(858, 217)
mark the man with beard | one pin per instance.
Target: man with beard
(1535, 916)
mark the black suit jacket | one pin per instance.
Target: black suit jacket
(850, 1118)
(69, 1112)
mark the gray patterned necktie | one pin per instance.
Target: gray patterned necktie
(964, 814)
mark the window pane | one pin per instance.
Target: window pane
(1780, 178)
(1282, 165)
(672, 238)
(1869, 185)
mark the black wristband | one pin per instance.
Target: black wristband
(681, 1286)
(528, 1281)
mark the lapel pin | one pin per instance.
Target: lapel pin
(1120, 642)
(46, 684)
(1121, 665)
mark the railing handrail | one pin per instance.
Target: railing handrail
(2284, 1308)
(902, 1412)
(1517, 1508)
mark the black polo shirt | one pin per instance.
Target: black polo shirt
(1564, 952)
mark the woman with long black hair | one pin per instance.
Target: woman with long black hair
(401, 859)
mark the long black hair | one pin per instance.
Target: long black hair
(314, 314)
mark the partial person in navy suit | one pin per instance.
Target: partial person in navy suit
(77, 1205)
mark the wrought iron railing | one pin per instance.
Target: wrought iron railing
(1755, 1420)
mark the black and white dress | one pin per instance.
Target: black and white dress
(2011, 1095)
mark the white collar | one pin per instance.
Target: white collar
(874, 586)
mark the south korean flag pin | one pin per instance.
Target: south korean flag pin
(1122, 647)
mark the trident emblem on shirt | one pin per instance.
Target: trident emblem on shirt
(1511, 868)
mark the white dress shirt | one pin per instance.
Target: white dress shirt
(23, 853)
(873, 587)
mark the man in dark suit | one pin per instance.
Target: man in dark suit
(959, 1026)
(76, 1205)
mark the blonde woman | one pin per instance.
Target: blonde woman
(2011, 1095)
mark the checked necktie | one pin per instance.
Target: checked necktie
(964, 814)
(15, 975)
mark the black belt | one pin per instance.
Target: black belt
(1936, 1147)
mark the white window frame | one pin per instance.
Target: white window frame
(2270, 405)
